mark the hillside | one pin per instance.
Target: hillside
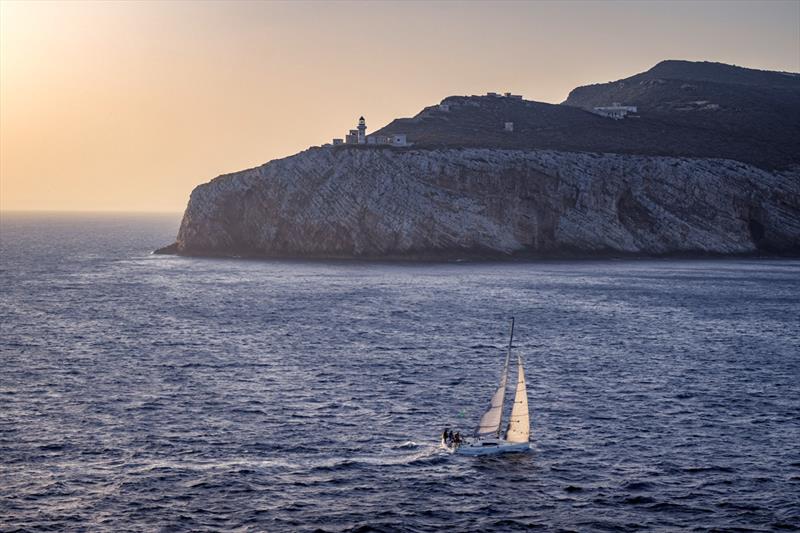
(701, 110)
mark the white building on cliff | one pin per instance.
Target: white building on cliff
(615, 111)
(359, 136)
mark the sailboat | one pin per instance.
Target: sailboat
(487, 436)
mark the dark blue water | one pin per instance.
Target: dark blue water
(145, 392)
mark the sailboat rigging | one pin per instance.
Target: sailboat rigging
(486, 438)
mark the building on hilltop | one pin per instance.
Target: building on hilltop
(398, 140)
(359, 136)
(615, 110)
(505, 95)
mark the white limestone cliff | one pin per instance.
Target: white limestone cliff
(451, 203)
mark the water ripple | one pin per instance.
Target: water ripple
(157, 393)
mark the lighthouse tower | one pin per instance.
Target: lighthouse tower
(362, 131)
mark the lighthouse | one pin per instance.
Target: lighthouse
(359, 136)
(362, 131)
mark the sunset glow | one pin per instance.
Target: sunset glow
(128, 106)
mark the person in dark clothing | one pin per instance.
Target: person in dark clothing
(450, 436)
(445, 434)
(457, 438)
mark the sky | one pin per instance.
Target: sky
(127, 106)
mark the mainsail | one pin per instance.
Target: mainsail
(491, 419)
(519, 426)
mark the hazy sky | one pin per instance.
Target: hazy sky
(128, 106)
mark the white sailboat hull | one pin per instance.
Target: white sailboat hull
(492, 447)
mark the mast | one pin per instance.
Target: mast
(510, 339)
(493, 416)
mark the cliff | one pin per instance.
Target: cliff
(451, 203)
(710, 164)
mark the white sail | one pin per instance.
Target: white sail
(519, 425)
(491, 419)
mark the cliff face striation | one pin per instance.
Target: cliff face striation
(350, 202)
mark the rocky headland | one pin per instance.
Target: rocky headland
(681, 177)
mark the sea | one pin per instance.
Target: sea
(141, 392)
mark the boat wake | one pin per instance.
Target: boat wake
(422, 452)
(419, 453)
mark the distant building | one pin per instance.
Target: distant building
(359, 136)
(362, 131)
(444, 107)
(399, 139)
(615, 111)
(505, 95)
(509, 126)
